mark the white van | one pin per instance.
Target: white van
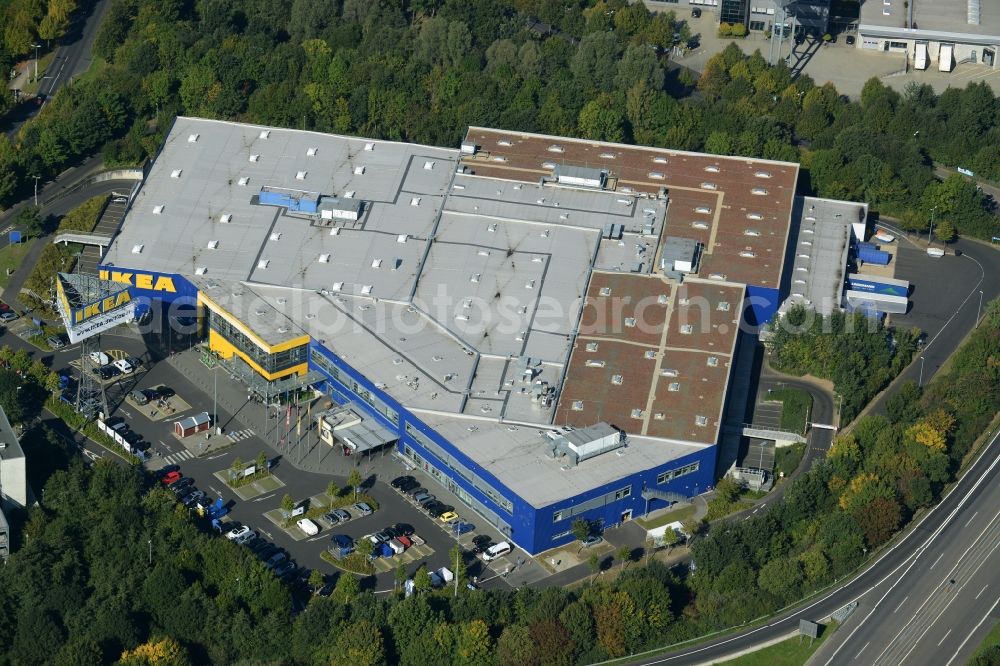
(308, 526)
(935, 252)
(100, 358)
(496, 550)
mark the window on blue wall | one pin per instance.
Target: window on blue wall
(557, 516)
(623, 493)
(360, 391)
(556, 537)
(674, 473)
(460, 469)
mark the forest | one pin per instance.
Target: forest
(423, 70)
(110, 569)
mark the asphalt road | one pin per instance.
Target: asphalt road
(72, 58)
(938, 608)
(905, 554)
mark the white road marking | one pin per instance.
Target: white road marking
(862, 649)
(971, 519)
(982, 590)
(317, 538)
(974, 630)
(217, 493)
(937, 560)
(261, 499)
(945, 636)
(901, 603)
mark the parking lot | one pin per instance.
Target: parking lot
(256, 507)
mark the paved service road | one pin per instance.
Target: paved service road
(938, 608)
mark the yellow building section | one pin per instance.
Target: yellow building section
(205, 301)
(225, 349)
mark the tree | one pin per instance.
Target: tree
(157, 652)
(422, 580)
(780, 577)
(514, 646)
(315, 580)
(52, 382)
(354, 480)
(287, 504)
(624, 553)
(594, 562)
(581, 529)
(473, 643)
(347, 588)
(552, 643)
(359, 644)
(399, 575)
(945, 231)
(237, 469)
(261, 461)
(879, 519)
(29, 220)
(332, 489)
(364, 547)
(457, 562)
(602, 120)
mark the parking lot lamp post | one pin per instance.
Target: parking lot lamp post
(979, 312)
(215, 394)
(931, 230)
(150, 542)
(920, 382)
(37, 46)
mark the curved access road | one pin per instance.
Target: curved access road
(940, 528)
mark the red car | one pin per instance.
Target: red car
(403, 540)
(171, 477)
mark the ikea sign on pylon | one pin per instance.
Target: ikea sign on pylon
(100, 307)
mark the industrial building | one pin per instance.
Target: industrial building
(932, 34)
(546, 325)
(13, 472)
(761, 15)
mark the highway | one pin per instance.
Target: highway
(939, 607)
(935, 530)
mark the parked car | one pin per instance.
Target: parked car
(284, 569)
(425, 499)
(462, 527)
(276, 559)
(404, 540)
(237, 531)
(107, 372)
(695, 13)
(8, 315)
(244, 538)
(363, 509)
(497, 550)
(163, 471)
(171, 477)
(181, 484)
(260, 547)
(99, 358)
(850, 40)
(341, 545)
(338, 516)
(139, 397)
(400, 480)
(124, 366)
(193, 498)
(413, 492)
(404, 529)
(481, 542)
(55, 341)
(397, 546)
(448, 516)
(377, 538)
(266, 552)
(408, 485)
(592, 540)
(308, 526)
(164, 392)
(440, 510)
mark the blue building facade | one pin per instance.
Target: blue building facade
(762, 303)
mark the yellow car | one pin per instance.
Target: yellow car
(448, 516)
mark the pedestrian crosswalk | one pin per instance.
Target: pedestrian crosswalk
(175, 458)
(238, 435)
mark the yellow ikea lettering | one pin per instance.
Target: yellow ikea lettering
(100, 307)
(141, 280)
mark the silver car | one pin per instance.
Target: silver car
(363, 509)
